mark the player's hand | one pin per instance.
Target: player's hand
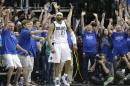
(55, 5)
(116, 12)
(46, 6)
(103, 15)
(92, 68)
(124, 58)
(95, 14)
(52, 50)
(42, 10)
(100, 62)
(42, 39)
(5, 12)
(83, 13)
(75, 47)
(71, 6)
(128, 55)
(129, 66)
(26, 52)
(110, 20)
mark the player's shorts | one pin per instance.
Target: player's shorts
(11, 60)
(62, 53)
(27, 61)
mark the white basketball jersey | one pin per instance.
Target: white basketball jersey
(60, 34)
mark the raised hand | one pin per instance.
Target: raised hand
(6, 12)
(55, 5)
(75, 47)
(100, 61)
(83, 13)
(110, 20)
(116, 12)
(103, 15)
(46, 6)
(71, 6)
(95, 14)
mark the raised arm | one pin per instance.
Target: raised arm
(96, 18)
(120, 11)
(44, 18)
(41, 15)
(110, 26)
(70, 14)
(116, 14)
(37, 37)
(73, 37)
(50, 32)
(5, 15)
(102, 21)
(125, 25)
(82, 20)
(57, 7)
(126, 61)
(20, 48)
(36, 32)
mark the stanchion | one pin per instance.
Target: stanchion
(77, 64)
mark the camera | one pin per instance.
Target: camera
(98, 58)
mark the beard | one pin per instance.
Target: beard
(59, 19)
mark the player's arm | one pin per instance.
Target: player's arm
(70, 14)
(126, 61)
(37, 37)
(120, 11)
(56, 7)
(73, 37)
(41, 15)
(82, 20)
(110, 26)
(50, 32)
(6, 13)
(20, 48)
(36, 32)
(96, 18)
(103, 19)
(45, 18)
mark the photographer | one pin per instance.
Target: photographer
(101, 71)
(123, 70)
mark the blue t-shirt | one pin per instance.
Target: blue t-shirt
(128, 2)
(33, 47)
(128, 43)
(119, 40)
(69, 40)
(89, 42)
(119, 43)
(44, 34)
(0, 44)
(9, 42)
(24, 40)
(106, 49)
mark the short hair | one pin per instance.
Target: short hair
(24, 22)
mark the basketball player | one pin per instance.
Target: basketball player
(60, 51)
